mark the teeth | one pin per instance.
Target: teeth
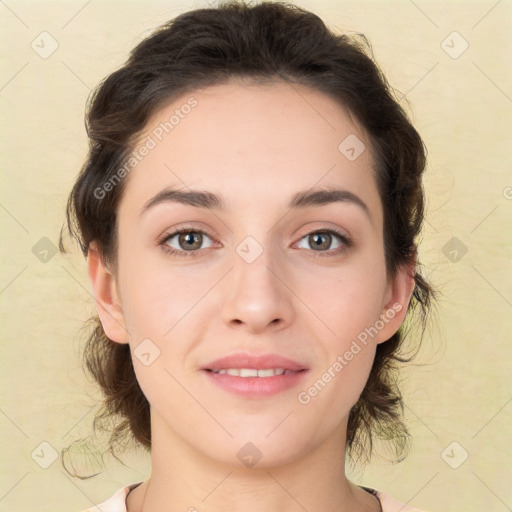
(252, 372)
(245, 372)
(265, 373)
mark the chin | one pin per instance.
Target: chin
(260, 450)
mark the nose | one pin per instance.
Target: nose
(256, 295)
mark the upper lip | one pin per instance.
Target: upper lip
(258, 362)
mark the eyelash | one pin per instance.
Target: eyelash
(346, 243)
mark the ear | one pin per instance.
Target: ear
(106, 295)
(396, 301)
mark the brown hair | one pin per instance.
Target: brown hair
(263, 42)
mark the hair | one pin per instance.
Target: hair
(265, 43)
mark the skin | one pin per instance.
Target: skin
(255, 145)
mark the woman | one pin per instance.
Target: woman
(249, 209)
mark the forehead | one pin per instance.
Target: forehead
(251, 142)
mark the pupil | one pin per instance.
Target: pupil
(190, 238)
(318, 239)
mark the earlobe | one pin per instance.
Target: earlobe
(395, 307)
(106, 296)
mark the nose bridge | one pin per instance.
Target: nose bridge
(256, 294)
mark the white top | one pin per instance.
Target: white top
(117, 503)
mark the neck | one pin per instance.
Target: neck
(184, 479)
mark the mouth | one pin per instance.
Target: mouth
(253, 372)
(255, 376)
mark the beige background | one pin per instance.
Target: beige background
(462, 106)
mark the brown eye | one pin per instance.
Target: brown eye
(320, 241)
(186, 241)
(325, 243)
(190, 241)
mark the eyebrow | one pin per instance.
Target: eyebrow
(302, 199)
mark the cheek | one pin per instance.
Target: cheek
(336, 386)
(350, 310)
(348, 303)
(157, 296)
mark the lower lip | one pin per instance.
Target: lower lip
(256, 387)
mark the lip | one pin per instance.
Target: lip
(258, 362)
(255, 387)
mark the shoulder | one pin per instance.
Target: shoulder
(116, 503)
(390, 504)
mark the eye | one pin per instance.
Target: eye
(183, 241)
(186, 242)
(321, 242)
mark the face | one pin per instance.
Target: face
(259, 322)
